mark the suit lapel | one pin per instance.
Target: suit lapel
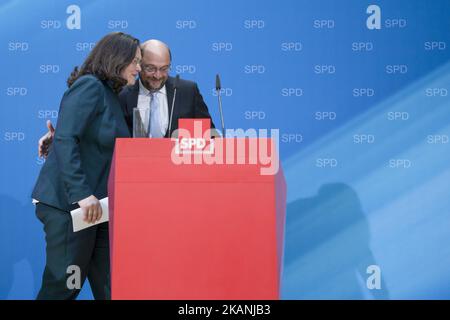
(132, 98)
(169, 92)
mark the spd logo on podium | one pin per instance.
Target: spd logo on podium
(194, 137)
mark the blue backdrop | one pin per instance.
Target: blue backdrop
(358, 90)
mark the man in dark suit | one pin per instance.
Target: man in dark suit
(155, 88)
(155, 85)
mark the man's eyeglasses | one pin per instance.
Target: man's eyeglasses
(153, 69)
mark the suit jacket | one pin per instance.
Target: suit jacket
(188, 103)
(78, 163)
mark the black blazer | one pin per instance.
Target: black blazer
(78, 163)
(188, 103)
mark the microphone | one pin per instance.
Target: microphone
(218, 87)
(175, 85)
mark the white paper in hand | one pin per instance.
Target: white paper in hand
(78, 217)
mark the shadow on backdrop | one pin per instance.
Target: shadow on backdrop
(327, 248)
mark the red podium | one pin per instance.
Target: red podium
(194, 231)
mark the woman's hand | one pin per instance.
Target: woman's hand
(91, 208)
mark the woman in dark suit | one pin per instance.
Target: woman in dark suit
(77, 168)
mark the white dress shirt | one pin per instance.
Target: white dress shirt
(144, 101)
